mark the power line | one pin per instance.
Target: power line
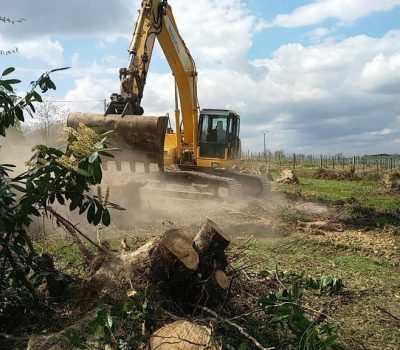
(72, 101)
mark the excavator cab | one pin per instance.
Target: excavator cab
(219, 134)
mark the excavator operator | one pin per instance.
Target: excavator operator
(221, 133)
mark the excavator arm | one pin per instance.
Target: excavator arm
(156, 20)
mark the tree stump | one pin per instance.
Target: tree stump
(182, 268)
(210, 239)
(174, 260)
(183, 335)
(210, 242)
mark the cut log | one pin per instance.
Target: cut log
(221, 279)
(177, 242)
(210, 239)
(173, 262)
(182, 335)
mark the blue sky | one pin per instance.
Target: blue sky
(320, 76)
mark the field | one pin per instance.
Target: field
(344, 230)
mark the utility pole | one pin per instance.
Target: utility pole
(265, 145)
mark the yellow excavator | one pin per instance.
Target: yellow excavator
(205, 146)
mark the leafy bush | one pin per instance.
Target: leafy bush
(116, 328)
(53, 175)
(293, 328)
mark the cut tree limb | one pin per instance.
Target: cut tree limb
(183, 335)
(234, 325)
(210, 239)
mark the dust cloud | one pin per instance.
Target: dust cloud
(152, 212)
(146, 212)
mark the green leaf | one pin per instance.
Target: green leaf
(37, 97)
(60, 198)
(59, 69)
(91, 212)
(93, 157)
(18, 188)
(106, 154)
(8, 71)
(19, 113)
(73, 205)
(106, 219)
(109, 321)
(98, 216)
(50, 84)
(97, 172)
(107, 133)
(6, 86)
(12, 81)
(83, 207)
(81, 171)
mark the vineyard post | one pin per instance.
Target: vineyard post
(294, 162)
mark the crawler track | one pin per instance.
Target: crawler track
(193, 185)
(252, 185)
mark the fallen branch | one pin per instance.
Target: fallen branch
(70, 227)
(232, 324)
(388, 313)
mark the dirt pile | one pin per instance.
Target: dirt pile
(331, 174)
(392, 182)
(288, 177)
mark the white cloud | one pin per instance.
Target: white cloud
(50, 52)
(307, 96)
(216, 31)
(318, 34)
(93, 90)
(382, 74)
(382, 132)
(346, 11)
(331, 96)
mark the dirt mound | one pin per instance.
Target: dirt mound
(288, 177)
(331, 174)
(392, 182)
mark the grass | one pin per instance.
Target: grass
(371, 286)
(368, 310)
(369, 193)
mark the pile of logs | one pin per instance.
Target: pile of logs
(182, 267)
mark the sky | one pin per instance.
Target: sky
(317, 76)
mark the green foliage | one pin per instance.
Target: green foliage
(293, 328)
(116, 328)
(326, 284)
(53, 175)
(11, 21)
(12, 107)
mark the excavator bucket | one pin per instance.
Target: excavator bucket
(140, 138)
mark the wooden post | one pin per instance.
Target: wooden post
(294, 162)
(333, 162)
(320, 161)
